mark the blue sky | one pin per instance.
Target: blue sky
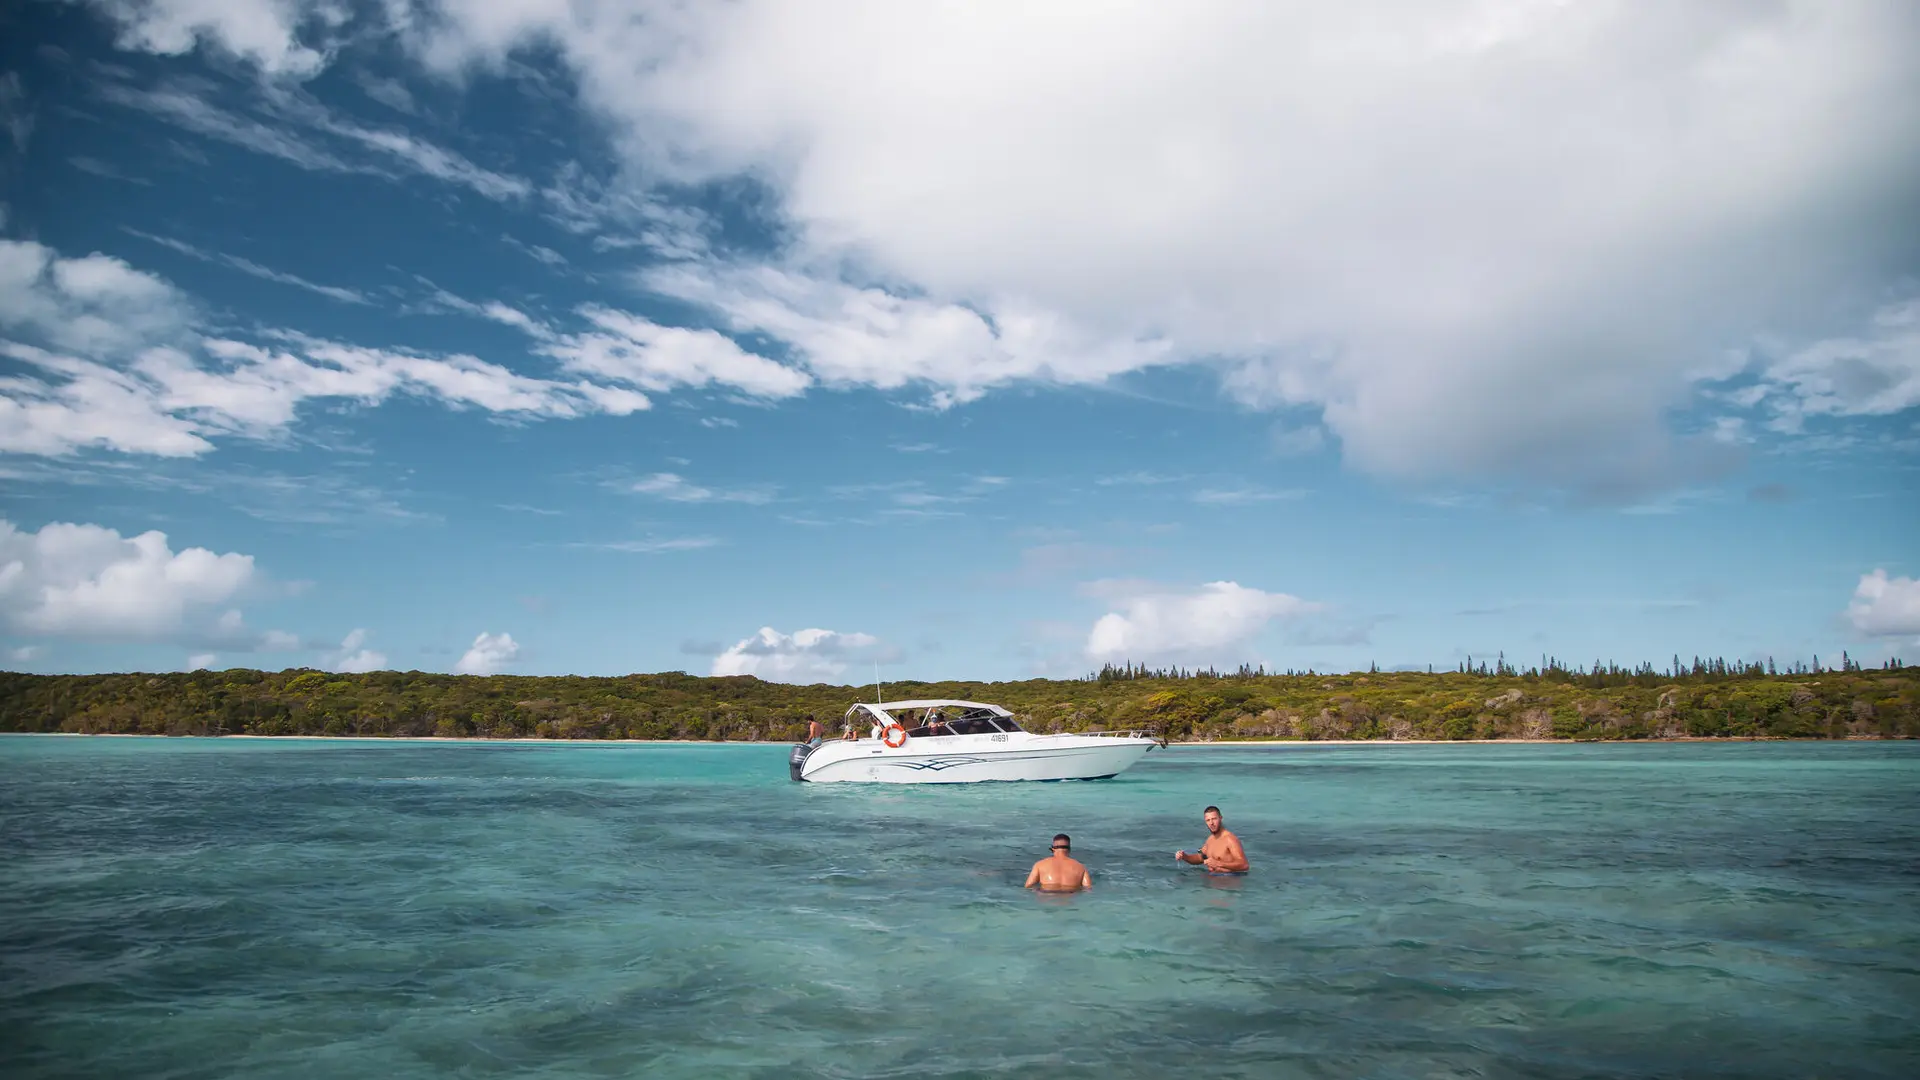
(990, 342)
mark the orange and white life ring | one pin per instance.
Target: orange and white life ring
(893, 729)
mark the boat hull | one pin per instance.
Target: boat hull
(972, 760)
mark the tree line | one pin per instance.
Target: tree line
(1483, 701)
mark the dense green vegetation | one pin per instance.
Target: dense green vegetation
(1707, 700)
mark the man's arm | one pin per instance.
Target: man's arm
(1190, 857)
(1086, 878)
(1033, 876)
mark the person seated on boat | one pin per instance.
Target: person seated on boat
(1221, 852)
(1059, 872)
(934, 724)
(847, 735)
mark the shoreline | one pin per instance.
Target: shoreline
(1238, 743)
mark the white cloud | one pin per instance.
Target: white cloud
(248, 266)
(96, 303)
(177, 391)
(804, 656)
(1874, 374)
(633, 350)
(416, 155)
(294, 127)
(1138, 478)
(1243, 496)
(488, 654)
(201, 661)
(89, 405)
(1884, 606)
(545, 255)
(184, 109)
(853, 336)
(353, 656)
(653, 546)
(1474, 236)
(1477, 237)
(1214, 623)
(25, 653)
(16, 117)
(264, 32)
(89, 582)
(675, 488)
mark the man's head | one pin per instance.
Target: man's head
(1213, 819)
(1062, 845)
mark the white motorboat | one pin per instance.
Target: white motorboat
(946, 741)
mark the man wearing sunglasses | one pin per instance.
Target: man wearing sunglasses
(1059, 872)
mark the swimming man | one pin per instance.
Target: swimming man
(1059, 872)
(1221, 852)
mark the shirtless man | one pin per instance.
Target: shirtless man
(1059, 872)
(815, 732)
(1221, 853)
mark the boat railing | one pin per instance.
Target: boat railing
(1122, 733)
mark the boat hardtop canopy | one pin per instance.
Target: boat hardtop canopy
(937, 716)
(941, 703)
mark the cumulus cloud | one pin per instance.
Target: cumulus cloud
(1472, 237)
(1884, 606)
(353, 655)
(88, 581)
(804, 656)
(201, 661)
(263, 32)
(488, 654)
(1214, 623)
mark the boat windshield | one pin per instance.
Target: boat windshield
(976, 722)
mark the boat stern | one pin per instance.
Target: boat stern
(797, 761)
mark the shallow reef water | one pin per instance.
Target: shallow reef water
(317, 908)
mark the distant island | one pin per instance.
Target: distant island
(1710, 699)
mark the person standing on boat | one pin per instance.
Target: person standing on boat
(1221, 853)
(1059, 872)
(815, 732)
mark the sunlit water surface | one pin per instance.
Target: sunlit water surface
(202, 908)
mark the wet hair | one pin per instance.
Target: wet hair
(1063, 838)
(1211, 810)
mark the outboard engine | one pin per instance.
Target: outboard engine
(798, 760)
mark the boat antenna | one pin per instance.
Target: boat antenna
(876, 682)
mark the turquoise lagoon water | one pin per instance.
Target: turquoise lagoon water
(211, 908)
